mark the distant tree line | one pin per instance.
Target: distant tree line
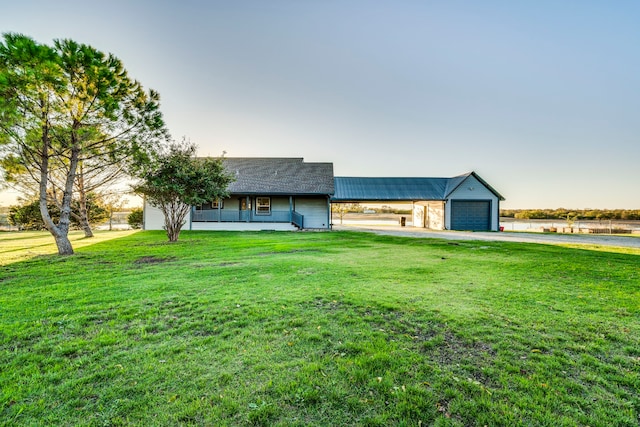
(358, 208)
(390, 209)
(572, 214)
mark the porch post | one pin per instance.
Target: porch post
(290, 208)
(219, 210)
(248, 210)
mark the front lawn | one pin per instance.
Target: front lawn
(333, 328)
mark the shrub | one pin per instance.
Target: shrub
(135, 218)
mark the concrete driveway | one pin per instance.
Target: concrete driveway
(545, 238)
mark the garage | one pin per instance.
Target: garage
(463, 202)
(471, 215)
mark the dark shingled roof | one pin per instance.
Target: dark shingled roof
(279, 176)
(351, 189)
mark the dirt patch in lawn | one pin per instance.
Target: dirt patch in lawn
(151, 259)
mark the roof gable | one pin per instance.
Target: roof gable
(457, 181)
(279, 176)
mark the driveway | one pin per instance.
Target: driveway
(546, 238)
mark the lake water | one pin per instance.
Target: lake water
(509, 224)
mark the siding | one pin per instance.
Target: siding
(471, 189)
(419, 214)
(429, 215)
(315, 211)
(154, 218)
(278, 203)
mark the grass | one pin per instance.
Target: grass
(28, 244)
(339, 328)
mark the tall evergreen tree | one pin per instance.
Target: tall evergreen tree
(66, 105)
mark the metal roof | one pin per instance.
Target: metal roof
(388, 189)
(352, 189)
(279, 176)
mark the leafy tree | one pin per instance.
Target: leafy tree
(64, 106)
(135, 218)
(340, 209)
(113, 202)
(177, 180)
(604, 215)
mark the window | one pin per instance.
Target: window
(263, 205)
(217, 203)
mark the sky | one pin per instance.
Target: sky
(540, 98)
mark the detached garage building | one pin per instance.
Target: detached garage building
(464, 202)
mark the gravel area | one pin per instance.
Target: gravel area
(545, 238)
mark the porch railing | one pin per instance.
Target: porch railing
(297, 219)
(215, 215)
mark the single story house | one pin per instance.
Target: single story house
(291, 194)
(267, 194)
(464, 202)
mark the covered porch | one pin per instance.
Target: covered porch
(263, 211)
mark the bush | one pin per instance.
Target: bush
(135, 218)
(28, 217)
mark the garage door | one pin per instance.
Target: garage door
(474, 215)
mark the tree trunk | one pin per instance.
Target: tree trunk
(61, 230)
(173, 233)
(87, 229)
(82, 200)
(174, 213)
(64, 244)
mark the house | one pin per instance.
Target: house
(291, 194)
(464, 202)
(267, 193)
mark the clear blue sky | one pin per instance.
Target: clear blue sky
(541, 98)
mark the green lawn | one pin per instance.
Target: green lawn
(334, 328)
